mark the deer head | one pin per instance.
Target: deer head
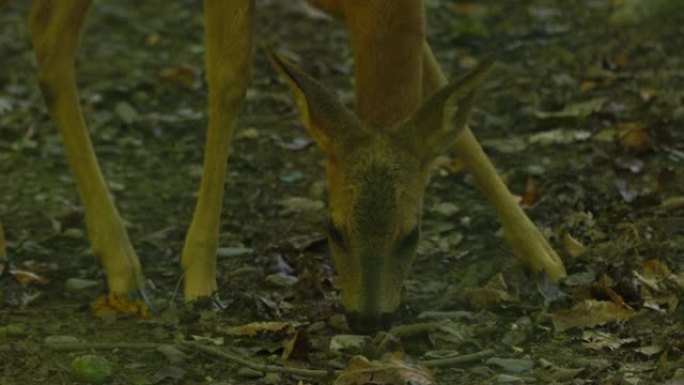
(376, 181)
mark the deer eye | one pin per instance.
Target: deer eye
(409, 242)
(335, 236)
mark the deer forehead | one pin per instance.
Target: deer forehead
(377, 188)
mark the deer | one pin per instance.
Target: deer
(378, 158)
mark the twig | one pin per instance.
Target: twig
(316, 373)
(74, 346)
(457, 360)
(410, 330)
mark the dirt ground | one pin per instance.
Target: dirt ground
(583, 120)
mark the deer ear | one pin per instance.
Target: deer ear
(444, 115)
(323, 115)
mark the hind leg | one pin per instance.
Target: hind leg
(522, 236)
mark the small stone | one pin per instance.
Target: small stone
(73, 233)
(281, 280)
(80, 284)
(60, 340)
(91, 368)
(172, 354)
(349, 343)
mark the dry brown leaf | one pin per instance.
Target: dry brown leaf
(620, 61)
(26, 278)
(633, 137)
(647, 94)
(492, 294)
(297, 348)
(599, 340)
(531, 194)
(654, 268)
(116, 304)
(392, 370)
(590, 313)
(615, 297)
(672, 204)
(469, 9)
(253, 328)
(572, 246)
(183, 75)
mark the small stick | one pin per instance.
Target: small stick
(74, 346)
(316, 373)
(457, 360)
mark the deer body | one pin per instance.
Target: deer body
(377, 159)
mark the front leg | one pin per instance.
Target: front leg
(55, 28)
(522, 235)
(228, 40)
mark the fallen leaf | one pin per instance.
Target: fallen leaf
(387, 371)
(254, 328)
(470, 9)
(531, 194)
(590, 313)
(348, 343)
(650, 350)
(635, 140)
(572, 246)
(654, 268)
(492, 294)
(297, 348)
(600, 340)
(647, 94)
(116, 304)
(512, 365)
(26, 278)
(672, 204)
(183, 75)
(559, 136)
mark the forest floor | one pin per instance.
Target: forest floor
(580, 118)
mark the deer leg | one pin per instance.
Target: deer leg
(522, 235)
(55, 28)
(228, 40)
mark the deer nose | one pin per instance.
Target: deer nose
(369, 323)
